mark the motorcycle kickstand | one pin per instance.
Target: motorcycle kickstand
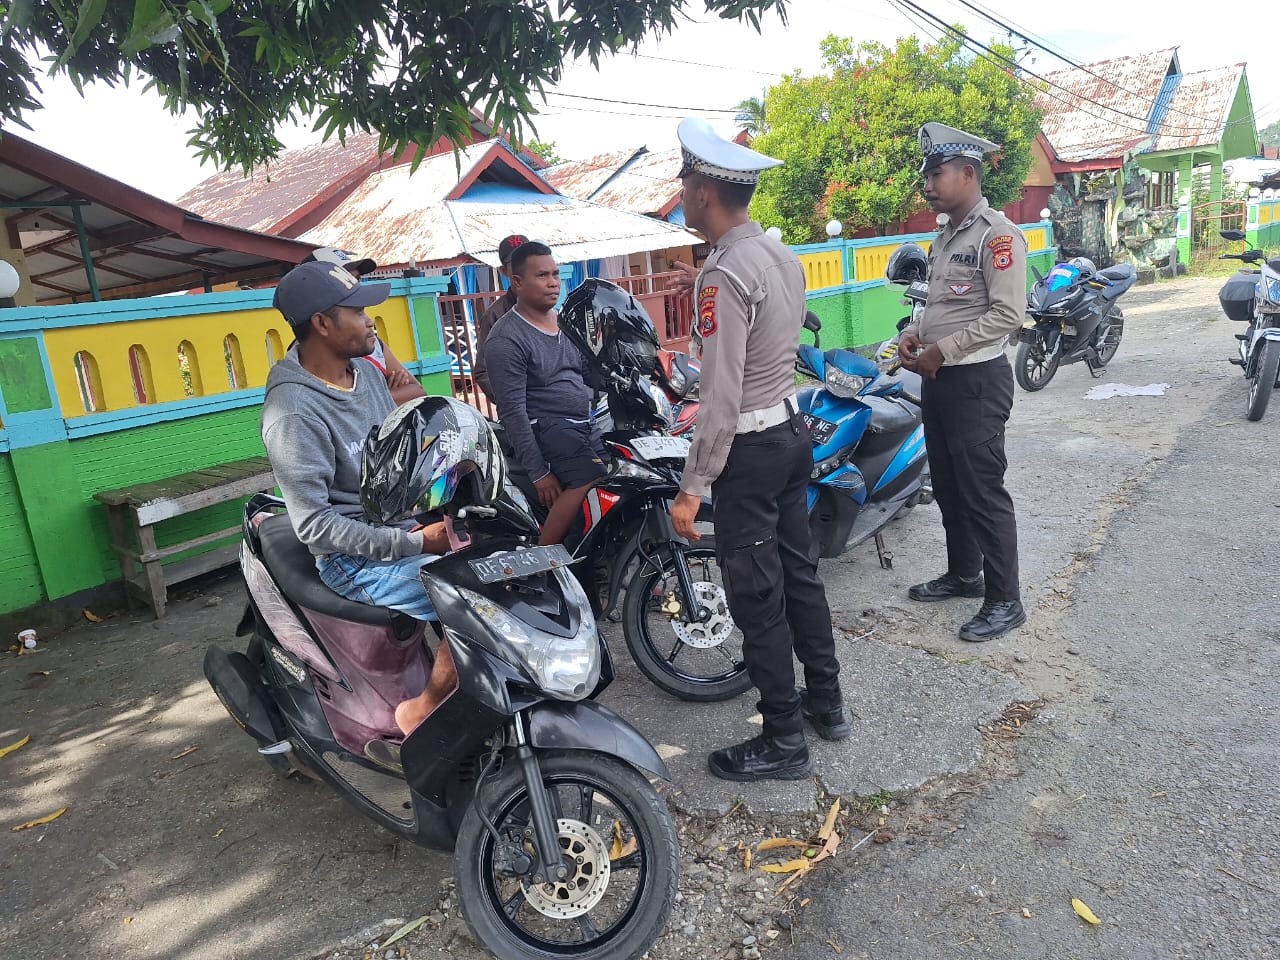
(884, 553)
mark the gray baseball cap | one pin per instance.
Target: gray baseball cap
(315, 287)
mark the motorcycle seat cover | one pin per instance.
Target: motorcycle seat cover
(293, 567)
(890, 417)
(1122, 277)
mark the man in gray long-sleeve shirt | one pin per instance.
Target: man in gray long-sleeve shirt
(537, 378)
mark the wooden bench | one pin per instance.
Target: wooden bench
(133, 512)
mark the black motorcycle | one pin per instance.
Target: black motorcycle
(675, 614)
(1073, 317)
(562, 847)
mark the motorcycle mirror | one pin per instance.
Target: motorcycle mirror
(811, 321)
(1039, 275)
(1232, 234)
(902, 324)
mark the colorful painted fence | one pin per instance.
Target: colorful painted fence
(105, 395)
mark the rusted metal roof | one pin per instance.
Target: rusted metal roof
(399, 218)
(140, 245)
(582, 178)
(1105, 110)
(1102, 104)
(1198, 110)
(647, 184)
(638, 181)
(271, 196)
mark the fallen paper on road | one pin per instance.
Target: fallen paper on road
(1105, 391)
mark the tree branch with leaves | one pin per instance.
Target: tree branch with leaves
(411, 71)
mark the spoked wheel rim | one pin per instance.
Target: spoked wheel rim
(1110, 338)
(708, 652)
(1039, 366)
(609, 870)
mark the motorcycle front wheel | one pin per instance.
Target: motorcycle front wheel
(617, 839)
(1033, 367)
(1264, 379)
(692, 661)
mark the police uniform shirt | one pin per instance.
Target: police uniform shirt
(977, 287)
(749, 308)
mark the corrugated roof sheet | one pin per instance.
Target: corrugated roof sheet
(647, 184)
(1198, 110)
(1103, 103)
(582, 178)
(274, 193)
(396, 218)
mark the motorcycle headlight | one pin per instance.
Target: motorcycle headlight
(1273, 291)
(677, 380)
(567, 668)
(844, 384)
(629, 468)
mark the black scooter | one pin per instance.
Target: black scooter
(562, 847)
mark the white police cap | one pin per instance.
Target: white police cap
(707, 153)
(940, 143)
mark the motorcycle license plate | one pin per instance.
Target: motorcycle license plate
(513, 564)
(819, 430)
(919, 286)
(661, 448)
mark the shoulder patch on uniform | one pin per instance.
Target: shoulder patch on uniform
(707, 311)
(1001, 252)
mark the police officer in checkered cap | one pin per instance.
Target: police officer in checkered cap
(977, 297)
(752, 452)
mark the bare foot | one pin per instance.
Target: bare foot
(409, 714)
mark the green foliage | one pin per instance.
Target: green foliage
(751, 116)
(545, 151)
(1270, 134)
(411, 71)
(848, 136)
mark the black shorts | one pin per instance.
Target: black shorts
(575, 454)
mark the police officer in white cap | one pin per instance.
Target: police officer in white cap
(977, 297)
(752, 451)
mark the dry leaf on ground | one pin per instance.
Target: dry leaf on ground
(40, 821)
(1084, 912)
(5, 751)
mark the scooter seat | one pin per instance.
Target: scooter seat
(890, 417)
(294, 569)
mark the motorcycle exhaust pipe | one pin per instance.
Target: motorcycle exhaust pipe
(239, 686)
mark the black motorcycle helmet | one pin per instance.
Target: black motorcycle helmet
(907, 264)
(610, 327)
(429, 453)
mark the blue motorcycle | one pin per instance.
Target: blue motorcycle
(869, 458)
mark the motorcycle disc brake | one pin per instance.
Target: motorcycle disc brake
(715, 630)
(587, 857)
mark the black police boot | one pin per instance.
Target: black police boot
(995, 619)
(947, 586)
(764, 758)
(825, 713)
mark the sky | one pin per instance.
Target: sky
(707, 64)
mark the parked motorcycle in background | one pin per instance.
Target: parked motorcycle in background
(1073, 316)
(1252, 296)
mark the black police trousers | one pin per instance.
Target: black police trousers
(965, 410)
(770, 568)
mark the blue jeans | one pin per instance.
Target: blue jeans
(395, 584)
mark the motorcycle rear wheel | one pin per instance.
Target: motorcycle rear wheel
(1034, 373)
(618, 841)
(711, 667)
(1264, 379)
(1112, 331)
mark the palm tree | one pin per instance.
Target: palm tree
(750, 116)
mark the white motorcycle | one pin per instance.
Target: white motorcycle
(1252, 296)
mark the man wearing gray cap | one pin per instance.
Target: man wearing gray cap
(753, 452)
(977, 297)
(322, 400)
